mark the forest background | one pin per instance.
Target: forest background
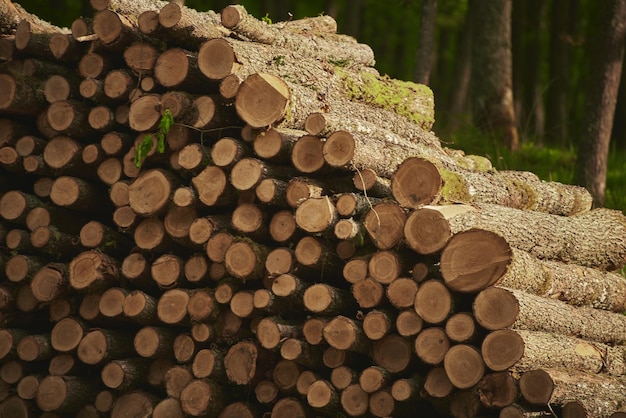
(553, 53)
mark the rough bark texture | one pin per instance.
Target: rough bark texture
(591, 165)
(268, 252)
(492, 77)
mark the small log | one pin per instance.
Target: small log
(317, 215)
(101, 345)
(249, 220)
(178, 69)
(176, 378)
(92, 270)
(67, 334)
(125, 374)
(96, 235)
(276, 144)
(114, 30)
(213, 188)
(58, 87)
(262, 100)
(50, 282)
(437, 384)
(69, 117)
(143, 114)
(75, 193)
(313, 253)
(247, 173)
(323, 299)
(344, 333)
(307, 154)
(384, 224)
(64, 394)
(300, 352)
(140, 307)
(246, 363)
(133, 403)
(378, 323)
(167, 271)
(461, 327)
(368, 293)
(401, 292)
(228, 152)
(285, 375)
(354, 400)
(323, 396)
(209, 363)
(432, 345)
(266, 392)
(19, 97)
(150, 192)
(172, 307)
(154, 342)
(497, 390)
(111, 303)
(393, 353)
(202, 229)
(245, 259)
(22, 268)
(433, 302)
(141, 57)
(272, 330)
(409, 323)
(464, 366)
(502, 349)
(283, 228)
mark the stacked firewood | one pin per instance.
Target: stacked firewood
(209, 215)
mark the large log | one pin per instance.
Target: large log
(574, 239)
(496, 307)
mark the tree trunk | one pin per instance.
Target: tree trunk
(591, 164)
(492, 92)
(426, 45)
(560, 51)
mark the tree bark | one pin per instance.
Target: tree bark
(492, 93)
(426, 45)
(591, 164)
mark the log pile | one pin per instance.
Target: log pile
(207, 215)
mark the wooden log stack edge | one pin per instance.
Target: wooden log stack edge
(208, 215)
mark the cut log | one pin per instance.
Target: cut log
(101, 345)
(92, 270)
(468, 274)
(262, 100)
(431, 345)
(63, 394)
(464, 366)
(433, 302)
(544, 350)
(344, 333)
(238, 19)
(384, 224)
(598, 392)
(496, 308)
(550, 236)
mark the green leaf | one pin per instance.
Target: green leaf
(166, 121)
(267, 19)
(160, 142)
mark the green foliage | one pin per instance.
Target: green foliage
(166, 122)
(267, 19)
(279, 60)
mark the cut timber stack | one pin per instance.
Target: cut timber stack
(207, 215)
